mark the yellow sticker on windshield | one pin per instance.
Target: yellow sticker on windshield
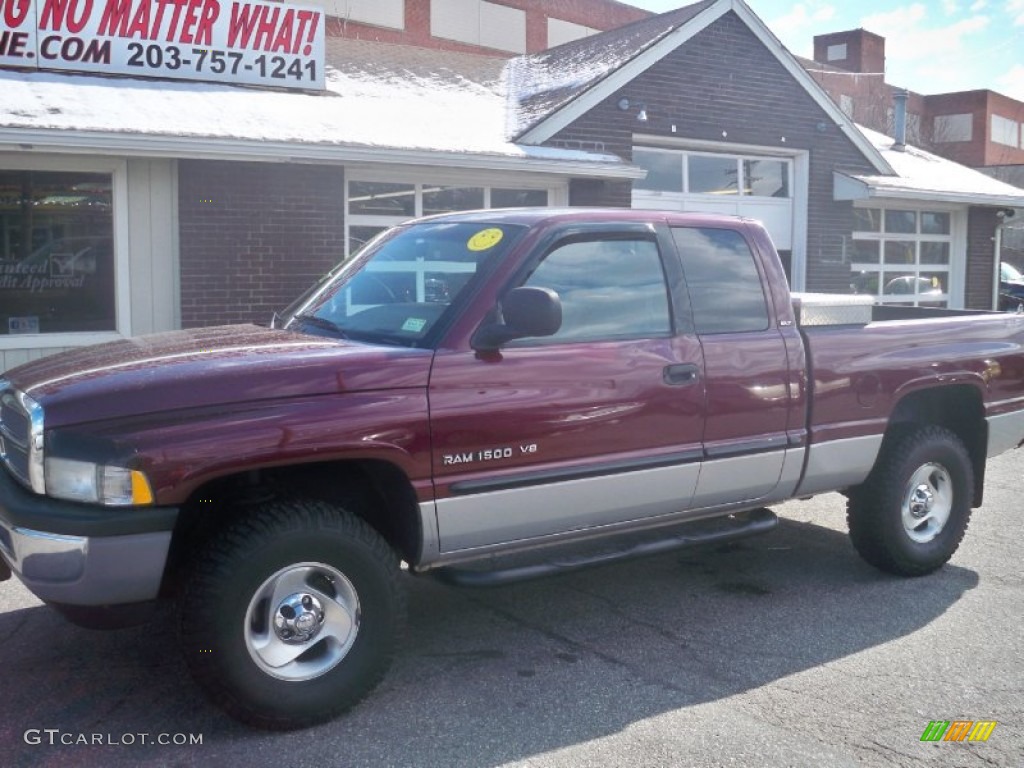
(484, 239)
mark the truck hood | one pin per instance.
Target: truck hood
(208, 367)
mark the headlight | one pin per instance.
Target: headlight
(105, 484)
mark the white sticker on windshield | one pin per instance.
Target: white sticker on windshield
(414, 325)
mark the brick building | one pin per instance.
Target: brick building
(131, 205)
(978, 128)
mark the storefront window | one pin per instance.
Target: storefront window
(360, 236)
(374, 206)
(376, 198)
(519, 198)
(56, 252)
(446, 199)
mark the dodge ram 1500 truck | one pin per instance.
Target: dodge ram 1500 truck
(480, 396)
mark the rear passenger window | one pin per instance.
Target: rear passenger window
(610, 289)
(725, 287)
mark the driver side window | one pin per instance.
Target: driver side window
(610, 289)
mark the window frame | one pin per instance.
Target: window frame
(117, 168)
(762, 283)
(952, 297)
(666, 261)
(739, 160)
(557, 195)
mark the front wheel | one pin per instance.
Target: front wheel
(292, 614)
(911, 514)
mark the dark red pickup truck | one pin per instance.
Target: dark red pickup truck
(481, 396)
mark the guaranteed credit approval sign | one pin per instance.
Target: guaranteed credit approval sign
(234, 41)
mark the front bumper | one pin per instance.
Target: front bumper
(82, 554)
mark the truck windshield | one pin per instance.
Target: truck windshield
(401, 285)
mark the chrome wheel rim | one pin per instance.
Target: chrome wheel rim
(302, 621)
(927, 502)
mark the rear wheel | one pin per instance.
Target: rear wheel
(911, 514)
(291, 616)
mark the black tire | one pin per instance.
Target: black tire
(910, 515)
(320, 571)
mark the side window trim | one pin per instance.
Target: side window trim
(690, 279)
(622, 233)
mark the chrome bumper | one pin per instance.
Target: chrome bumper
(83, 570)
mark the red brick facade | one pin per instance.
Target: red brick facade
(596, 14)
(865, 51)
(871, 100)
(254, 236)
(981, 150)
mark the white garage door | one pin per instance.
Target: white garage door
(758, 187)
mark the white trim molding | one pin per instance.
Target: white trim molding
(531, 160)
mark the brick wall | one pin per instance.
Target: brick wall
(596, 14)
(725, 86)
(981, 228)
(600, 193)
(865, 51)
(253, 236)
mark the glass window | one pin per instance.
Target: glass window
(766, 178)
(934, 223)
(713, 175)
(708, 174)
(56, 252)
(899, 264)
(374, 205)
(901, 222)
(864, 251)
(724, 284)
(865, 281)
(518, 198)
(448, 199)
(610, 289)
(867, 220)
(899, 252)
(664, 170)
(378, 198)
(401, 286)
(359, 236)
(934, 253)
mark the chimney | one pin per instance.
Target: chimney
(899, 98)
(855, 50)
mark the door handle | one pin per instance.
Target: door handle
(682, 375)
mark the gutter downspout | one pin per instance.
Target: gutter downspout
(998, 260)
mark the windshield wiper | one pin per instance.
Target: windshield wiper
(320, 322)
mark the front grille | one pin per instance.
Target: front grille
(15, 436)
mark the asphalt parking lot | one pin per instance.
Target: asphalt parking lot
(783, 650)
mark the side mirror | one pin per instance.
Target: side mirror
(526, 311)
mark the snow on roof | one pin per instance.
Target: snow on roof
(377, 96)
(922, 175)
(542, 82)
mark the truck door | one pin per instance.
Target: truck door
(745, 367)
(597, 425)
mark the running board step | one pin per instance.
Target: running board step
(711, 531)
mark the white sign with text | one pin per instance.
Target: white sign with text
(234, 41)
